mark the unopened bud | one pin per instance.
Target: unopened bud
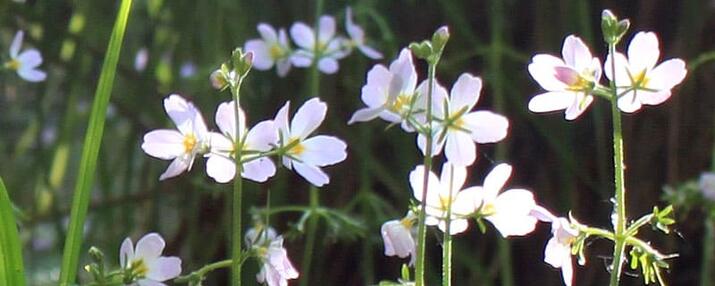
(613, 29)
(96, 255)
(421, 50)
(440, 38)
(218, 79)
(244, 66)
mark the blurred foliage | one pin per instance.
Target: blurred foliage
(567, 164)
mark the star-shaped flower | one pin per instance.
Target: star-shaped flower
(638, 77)
(272, 48)
(357, 37)
(569, 81)
(558, 249)
(328, 48)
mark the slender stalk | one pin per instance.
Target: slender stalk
(11, 264)
(421, 227)
(447, 238)
(706, 274)
(236, 228)
(618, 169)
(90, 152)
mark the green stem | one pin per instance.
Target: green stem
(199, 274)
(447, 238)
(706, 270)
(236, 228)
(11, 264)
(310, 236)
(90, 152)
(421, 227)
(618, 169)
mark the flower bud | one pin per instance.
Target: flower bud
(218, 79)
(440, 38)
(421, 50)
(613, 30)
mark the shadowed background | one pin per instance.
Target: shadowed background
(567, 164)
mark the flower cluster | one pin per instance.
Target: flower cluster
(25, 63)
(572, 81)
(321, 47)
(292, 143)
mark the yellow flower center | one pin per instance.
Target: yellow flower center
(580, 84)
(407, 223)
(189, 142)
(401, 101)
(640, 79)
(488, 209)
(139, 268)
(297, 148)
(13, 64)
(445, 201)
(276, 51)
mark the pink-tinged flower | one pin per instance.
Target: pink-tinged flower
(389, 93)
(357, 36)
(443, 193)
(569, 81)
(182, 145)
(707, 185)
(307, 154)
(328, 48)
(261, 138)
(558, 250)
(272, 48)
(25, 63)
(510, 211)
(398, 239)
(145, 264)
(638, 78)
(276, 269)
(459, 128)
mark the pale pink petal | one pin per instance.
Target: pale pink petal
(643, 51)
(354, 31)
(178, 166)
(542, 70)
(416, 182)
(567, 268)
(323, 150)
(370, 52)
(365, 114)
(630, 102)
(262, 137)
(164, 144)
(308, 118)
(281, 121)
(226, 119)
(576, 53)
(258, 170)
(666, 75)
(452, 174)
(262, 59)
(375, 92)
(465, 93)
(467, 201)
(29, 59)
(303, 35)
(326, 28)
(149, 282)
(554, 253)
(551, 101)
(542, 214)
(578, 106)
(328, 65)
(495, 180)
(436, 144)
(456, 226)
(512, 209)
(32, 75)
(486, 126)
(404, 68)
(301, 59)
(221, 168)
(126, 252)
(164, 268)
(150, 247)
(622, 78)
(311, 173)
(283, 67)
(460, 149)
(267, 33)
(16, 44)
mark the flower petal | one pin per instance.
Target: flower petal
(183, 113)
(643, 51)
(226, 119)
(164, 268)
(326, 28)
(262, 137)
(365, 114)
(126, 252)
(630, 102)
(576, 53)
(542, 70)
(460, 149)
(149, 282)
(486, 126)
(29, 59)
(354, 31)
(267, 32)
(150, 247)
(258, 170)
(323, 150)
(308, 118)
(375, 92)
(221, 168)
(404, 69)
(416, 182)
(283, 67)
(667, 75)
(178, 166)
(301, 59)
(495, 181)
(303, 35)
(328, 65)
(465, 93)
(452, 177)
(512, 213)
(551, 101)
(164, 144)
(32, 75)
(16, 44)
(578, 106)
(312, 174)
(262, 59)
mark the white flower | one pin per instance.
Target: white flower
(328, 48)
(145, 263)
(459, 128)
(141, 59)
(558, 249)
(272, 48)
(397, 236)
(277, 269)
(638, 76)
(307, 155)
(261, 138)
(183, 145)
(707, 185)
(389, 93)
(510, 211)
(25, 63)
(443, 193)
(357, 36)
(569, 82)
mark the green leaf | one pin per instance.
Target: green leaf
(11, 269)
(90, 150)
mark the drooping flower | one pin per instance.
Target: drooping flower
(328, 49)
(261, 138)
(145, 264)
(389, 93)
(25, 63)
(558, 249)
(443, 193)
(272, 48)
(398, 239)
(569, 81)
(277, 268)
(303, 154)
(459, 128)
(357, 37)
(510, 211)
(639, 79)
(180, 146)
(707, 185)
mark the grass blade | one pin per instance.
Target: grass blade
(11, 270)
(92, 141)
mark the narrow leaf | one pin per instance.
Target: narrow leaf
(11, 271)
